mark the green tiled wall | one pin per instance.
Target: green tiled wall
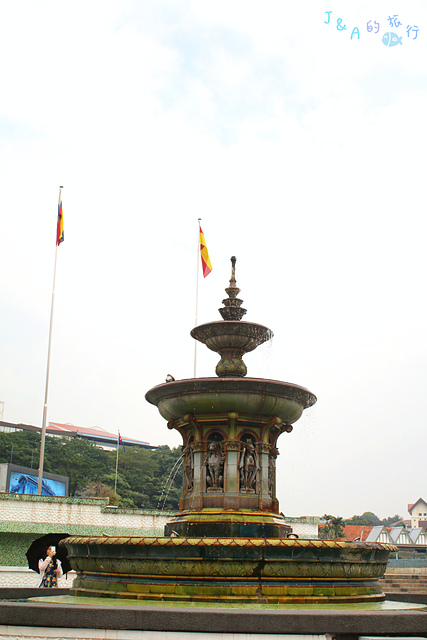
(13, 547)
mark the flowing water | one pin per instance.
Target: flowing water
(168, 483)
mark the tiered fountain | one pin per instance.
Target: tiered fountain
(228, 542)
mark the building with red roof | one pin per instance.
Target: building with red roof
(101, 437)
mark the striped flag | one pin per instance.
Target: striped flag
(206, 263)
(121, 442)
(60, 223)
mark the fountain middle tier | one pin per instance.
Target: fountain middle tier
(230, 428)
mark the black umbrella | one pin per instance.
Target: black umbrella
(38, 548)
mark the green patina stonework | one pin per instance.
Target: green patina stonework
(240, 569)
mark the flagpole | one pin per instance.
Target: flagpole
(117, 464)
(43, 436)
(197, 295)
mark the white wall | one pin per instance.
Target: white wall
(76, 512)
(418, 513)
(23, 577)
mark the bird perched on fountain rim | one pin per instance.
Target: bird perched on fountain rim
(170, 378)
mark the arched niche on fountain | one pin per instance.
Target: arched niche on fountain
(214, 462)
(215, 435)
(249, 464)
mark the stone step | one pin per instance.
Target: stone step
(394, 581)
(399, 585)
(409, 580)
(404, 577)
(393, 588)
(407, 576)
(423, 582)
(404, 582)
(414, 591)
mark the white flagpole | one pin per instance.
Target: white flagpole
(197, 294)
(43, 436)
(117, 464)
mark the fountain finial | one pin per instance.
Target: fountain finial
(231, 309)
(233, 268)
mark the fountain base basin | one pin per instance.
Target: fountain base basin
(267, 570)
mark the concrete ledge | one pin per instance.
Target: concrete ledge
(176, 619)
(22, 593)
(418, 598)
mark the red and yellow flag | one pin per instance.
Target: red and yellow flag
(206, 263)
(60, 223)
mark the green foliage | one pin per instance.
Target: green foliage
(20, 447)
(368, 519)
(148, 476)
(101, 490)
(143, 479)
(333, 530)
(81, 461)
(396, 520)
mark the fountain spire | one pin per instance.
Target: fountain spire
(232, 305)
(231, 338)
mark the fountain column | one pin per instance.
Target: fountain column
(264, 453)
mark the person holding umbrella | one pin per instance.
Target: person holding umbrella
(50, 569)
(46, 561)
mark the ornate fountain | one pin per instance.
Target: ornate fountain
(228, 542)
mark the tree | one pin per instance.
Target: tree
(80, 460)
(367, 518)
(146, 479)
(21, 448)
(333, 528)
(101, 490)
(396, 520)
(154, 477)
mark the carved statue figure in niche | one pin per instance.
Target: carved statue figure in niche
(188, 469)
(248, 466)
(271, 473)
(214, 461)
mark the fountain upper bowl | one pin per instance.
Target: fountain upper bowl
(226, 334)
(248, 396)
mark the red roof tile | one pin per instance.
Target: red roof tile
(352, 531)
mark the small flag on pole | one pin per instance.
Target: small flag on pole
(121, 442)
(60, 224)
(206, 263)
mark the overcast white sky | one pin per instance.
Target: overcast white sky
(304, 153)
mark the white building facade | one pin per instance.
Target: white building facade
(418, 513)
